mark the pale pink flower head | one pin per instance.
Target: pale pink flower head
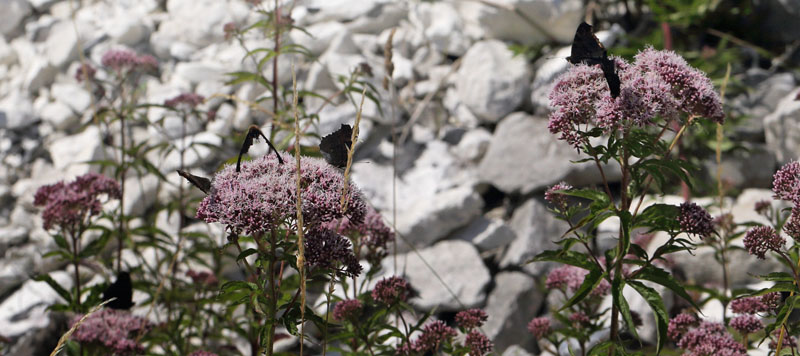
(680, 324)
(710, 339)
(187, 100)
(539, 327)
(116, 330)
(433, 335)
(786, 182)
(262, 197)
(471, 318)
(747, 324)
(692, 88)
(478, 343)
(66, 205)
(559, 200)
(391, 290)
(119, 60)
(659, 84)
(347, 310)
(644, 96)
(569, 278)
(753, 305)
(374, 236)
(761, 239)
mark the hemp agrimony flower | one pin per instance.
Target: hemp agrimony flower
(262, 196)
(695, 220)
(761, 239)
(657, 84)
(67, 204)
(539, 327)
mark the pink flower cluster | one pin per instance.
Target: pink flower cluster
(539, 327)
(189, 100)
(557, 199)
(434, 334)
(262, 196)
(570, 278)
(753, 305)
(347, 309)
(680, 324)
(327, 249)
(123, 60)
(657, 84)
(786, 186)
(762, 239)
(203, 278)
(471, 318)
(710, 339)
(66, 205)
(391, 290)
(84, 72)
(374, 234)
(786, 182)
(695, 220)
(113, 329)
(478, 343)
(747, 324)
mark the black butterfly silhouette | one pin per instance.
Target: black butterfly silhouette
(587, 49)
(252, 134)
(334, 147)
(201, 183)
(122, 289)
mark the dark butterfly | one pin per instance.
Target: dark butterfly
(335, 146)
(252, 134)
(122, 289)
(201, 183)
(587, 49)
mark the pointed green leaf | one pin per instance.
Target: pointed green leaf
(617, 285)
(592, 279)
(657, 305)
(661, 277)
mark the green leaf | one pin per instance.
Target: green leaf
(663, 278)
(777, 277)
(599, 199)
(57, 287)
(95, 246)
(617, 285)
(662, 217)
(657, 305)
(61, 242)
(625, 221)
(572, 258)
(783, 314)
(592, 279)
(245, 253)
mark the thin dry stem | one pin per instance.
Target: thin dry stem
(351, 149)
(299, 205)
(64, 338)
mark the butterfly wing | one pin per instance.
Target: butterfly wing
(586, 48)
(201, 183)
(122, 289)
(610, 73)
(334, 147)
